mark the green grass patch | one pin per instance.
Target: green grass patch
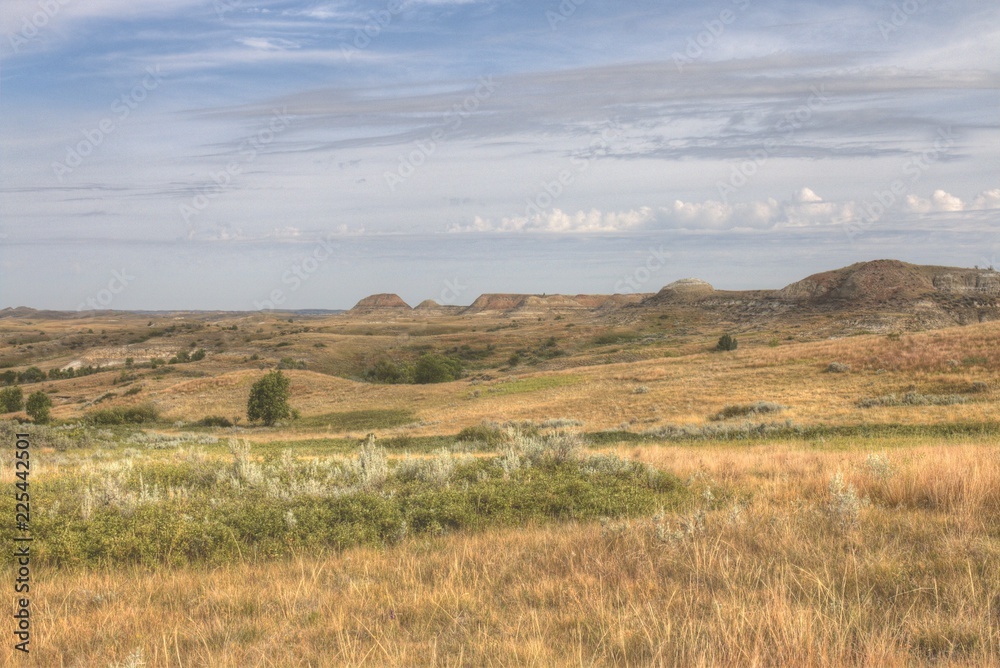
(360, 420)
(522, 385)
(611, 338)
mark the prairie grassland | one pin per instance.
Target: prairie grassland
(657, 375)
(878, 553)
(678, 391)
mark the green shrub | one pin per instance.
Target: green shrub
(11, 399)
(388, 371)
(214, 421)
(31, 375)
(37, 406)
(489, 434)
(727, 342)
(432, 368)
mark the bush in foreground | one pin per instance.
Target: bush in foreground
(251, 508)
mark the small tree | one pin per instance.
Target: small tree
(726, 342)
(268, 401)
(38, 406)
(11, 399)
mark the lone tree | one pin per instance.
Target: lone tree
(726, 342)
(269, 399)
(37, 406)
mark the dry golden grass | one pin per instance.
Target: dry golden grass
(778, 572)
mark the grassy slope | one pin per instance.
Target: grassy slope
(779, 570)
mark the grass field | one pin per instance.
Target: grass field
(882, 553)
(635, 500)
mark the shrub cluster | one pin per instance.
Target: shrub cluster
(429, 368)
(912, 399)
(748, 410)
(123, 415)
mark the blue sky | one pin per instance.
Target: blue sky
(216, 154)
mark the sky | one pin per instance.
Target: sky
(241, 154)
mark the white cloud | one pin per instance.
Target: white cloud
(267, 43)
(988, 199)
(559, 221)
(805, 208)
(938, 202)
(807, 195)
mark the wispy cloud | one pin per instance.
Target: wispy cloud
(593, 129)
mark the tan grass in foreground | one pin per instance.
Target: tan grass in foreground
(780, 570)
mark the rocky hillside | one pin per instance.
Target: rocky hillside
(891, 281)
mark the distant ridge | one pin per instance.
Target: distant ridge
(879, 295)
